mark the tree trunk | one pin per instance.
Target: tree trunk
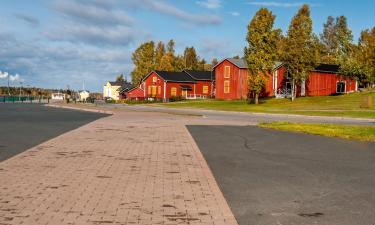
(256, 98)
(293, 91)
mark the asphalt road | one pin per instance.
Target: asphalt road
(272, 177)
(23, 126)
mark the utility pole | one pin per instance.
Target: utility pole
(19, 98)
(8, 85)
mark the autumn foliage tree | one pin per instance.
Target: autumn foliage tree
(144, 61)
(300, 53)
(261, 52)
(147, 58)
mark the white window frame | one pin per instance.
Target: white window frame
(228, 72)
(340, 81)
(227, 92)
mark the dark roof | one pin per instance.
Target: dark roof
(328, 68)
(175, 76)
(185, 87)
(199, 75)
(118, 83)
(240, 63)
(125, 86)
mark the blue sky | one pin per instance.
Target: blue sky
(55, 43)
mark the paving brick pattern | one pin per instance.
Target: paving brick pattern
(129, 168)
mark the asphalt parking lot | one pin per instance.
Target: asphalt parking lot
(23, 126)
(273, 177)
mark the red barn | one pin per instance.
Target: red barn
(231, 81)
(164, 85)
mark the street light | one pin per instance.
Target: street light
(19, 98)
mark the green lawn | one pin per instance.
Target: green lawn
(361, 133)
(348, 105)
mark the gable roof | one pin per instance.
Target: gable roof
(199, 75)
(175, 76)
(240, 63)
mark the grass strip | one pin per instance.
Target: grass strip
(352, 132)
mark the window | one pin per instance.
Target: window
(205, 89)
(149, 90)
(153, 92)
(287, 75)
(340, 87)
(226, 71)
(226, 86)
(154, 79)
(159, 90)
(173, 92)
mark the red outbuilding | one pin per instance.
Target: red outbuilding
(165, 85)
(136, 93)
(231, 81)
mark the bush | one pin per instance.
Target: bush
(176, 99)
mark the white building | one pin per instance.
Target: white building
(83, 95)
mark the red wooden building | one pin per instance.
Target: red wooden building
(231, 81)
(136, 93)
(164, 85)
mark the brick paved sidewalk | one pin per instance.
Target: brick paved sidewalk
(120, 169)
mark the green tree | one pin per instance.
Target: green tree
(143, 59)
(214, 61)
(344, 37)
(360, 63)
(120, 77)
(159, 53)
(191, 58)
(166, 63)
(179, 63)
(170, 47)
(367, 46)
(300, 55)
(337, 40)
(201, 64)
(260, 54)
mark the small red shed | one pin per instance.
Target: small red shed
(136, 93)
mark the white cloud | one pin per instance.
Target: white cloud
(55, 66)
(14, 77)
(3, 75)
(210, 4)
(234, 13)
(6, 75)
(171, 10)
(279, 4)
(93, 22)
(93, 12)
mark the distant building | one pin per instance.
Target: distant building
(112, 90)
(164, 85)
(57, 96)
(83, 95)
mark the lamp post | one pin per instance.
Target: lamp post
(19, 97)
(8, 85)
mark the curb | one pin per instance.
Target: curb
(82, 109)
